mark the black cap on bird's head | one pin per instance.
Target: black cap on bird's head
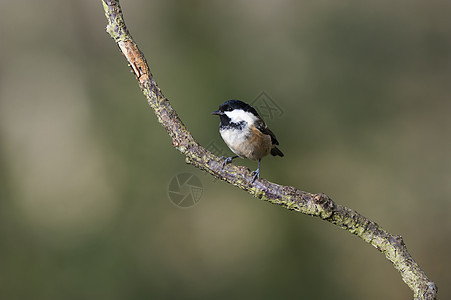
(232, 105)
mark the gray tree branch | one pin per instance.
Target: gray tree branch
(318, 205)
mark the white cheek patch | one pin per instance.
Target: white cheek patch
(238, 115)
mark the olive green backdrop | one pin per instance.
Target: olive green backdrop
(362, 90)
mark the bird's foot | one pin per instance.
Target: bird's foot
(256, 174)
(227, 160)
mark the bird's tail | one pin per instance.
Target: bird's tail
(276, 152)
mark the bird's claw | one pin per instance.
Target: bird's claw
(227, 160)
(256, 174)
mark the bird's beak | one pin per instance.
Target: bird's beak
(217, 112)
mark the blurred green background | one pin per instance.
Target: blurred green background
(364, 87)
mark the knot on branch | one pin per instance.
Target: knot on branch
(397, 240)
(326, 205)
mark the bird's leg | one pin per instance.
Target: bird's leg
(228, 160)
(256, 172)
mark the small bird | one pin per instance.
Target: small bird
(245, 133)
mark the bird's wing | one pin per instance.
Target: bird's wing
(260, 125)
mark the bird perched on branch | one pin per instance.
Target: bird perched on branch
(245, 133)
